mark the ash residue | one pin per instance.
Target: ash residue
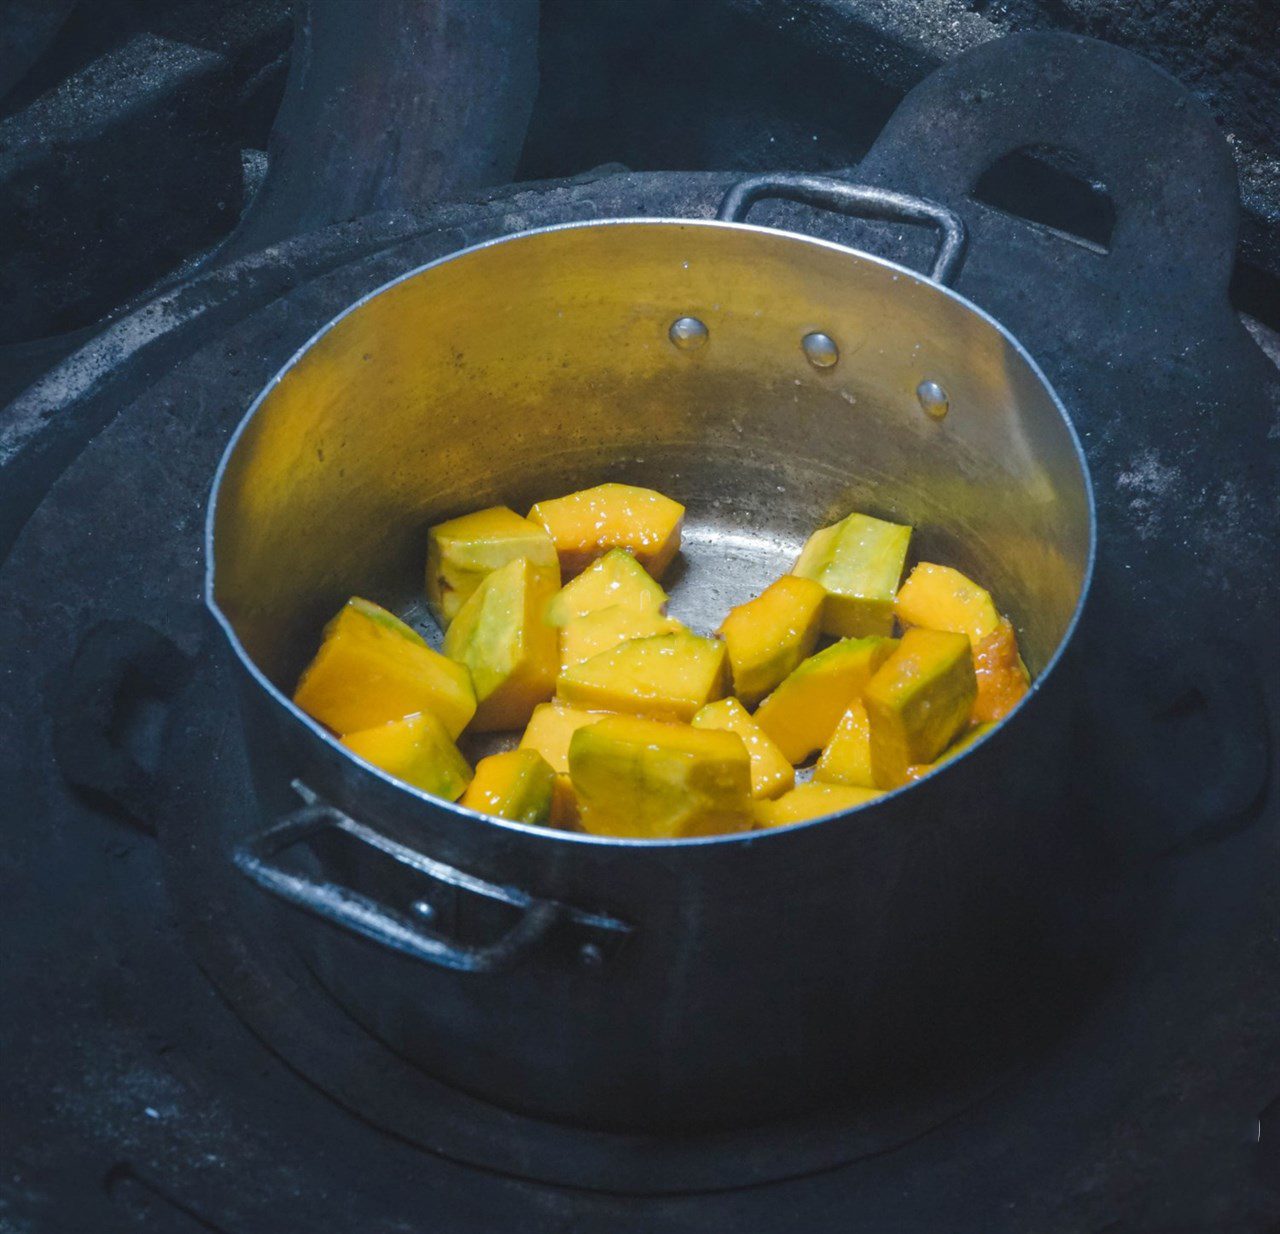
(1151, 485)
(1227, 525)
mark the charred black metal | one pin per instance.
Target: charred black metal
(94, 205)
(391, 104)
(1228, 55)
(142, 1090)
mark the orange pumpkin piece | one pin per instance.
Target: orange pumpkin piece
(372, 669)
(565, 812)
(510, 652)
(417, 750)
(1002, 677)
(918, 702)
(918, 771)
(769, 636)
(587, 524)
(517, 784)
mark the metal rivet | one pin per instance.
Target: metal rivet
(687, 333)
(590, 955)
(820, 349)
(933, 399)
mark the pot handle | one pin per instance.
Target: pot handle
(861, 200)
(592, 937)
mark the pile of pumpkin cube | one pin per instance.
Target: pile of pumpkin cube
(633, 724)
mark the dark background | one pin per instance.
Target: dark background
(133, 133)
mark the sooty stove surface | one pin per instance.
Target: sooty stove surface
(144, 1091)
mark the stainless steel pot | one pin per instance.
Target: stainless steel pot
(656, 985)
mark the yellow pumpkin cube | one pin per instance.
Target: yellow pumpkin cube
(615, 579)
(918, 771)
(771, 774)
(812, 800)
(768, 636)
(564, 805)
(1003, 680)
(847, 756)
(463, 552)
(588, 635)
(941, 598)
(858, 561)
(417, 750)
(550, 728)
(512, 654)
(919, 701)
(591, 522)
(372, 668)
(517, 785)
(802, 713)
(644, 779)
(666, 676)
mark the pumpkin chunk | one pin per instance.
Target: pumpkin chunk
(591, 522)
(617, 578)
(551, 726)
(858, 561)
(666, 676)
(812, 800)
(771, 774)
(417, 750)
(644, 779)
(463, 552)
(768, 636)
(802, 713)
(588, 635)
(510, 651)
(846, 758)
(518, 785)
(372, 668)
(564, 805)
(1002, 676)
(941, 598)
(918, 702)
(918, 771)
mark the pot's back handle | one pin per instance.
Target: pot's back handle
(859, 200)
(1129, 127)
(537, 925)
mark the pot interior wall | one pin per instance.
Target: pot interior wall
(540, 364)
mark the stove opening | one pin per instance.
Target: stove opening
(1041, 186)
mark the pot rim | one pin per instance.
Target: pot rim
(297, 715)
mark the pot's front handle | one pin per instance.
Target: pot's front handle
(860, 200)
(588, 937)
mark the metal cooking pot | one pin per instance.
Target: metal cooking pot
(704, 982)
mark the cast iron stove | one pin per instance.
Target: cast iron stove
(167, 1068)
